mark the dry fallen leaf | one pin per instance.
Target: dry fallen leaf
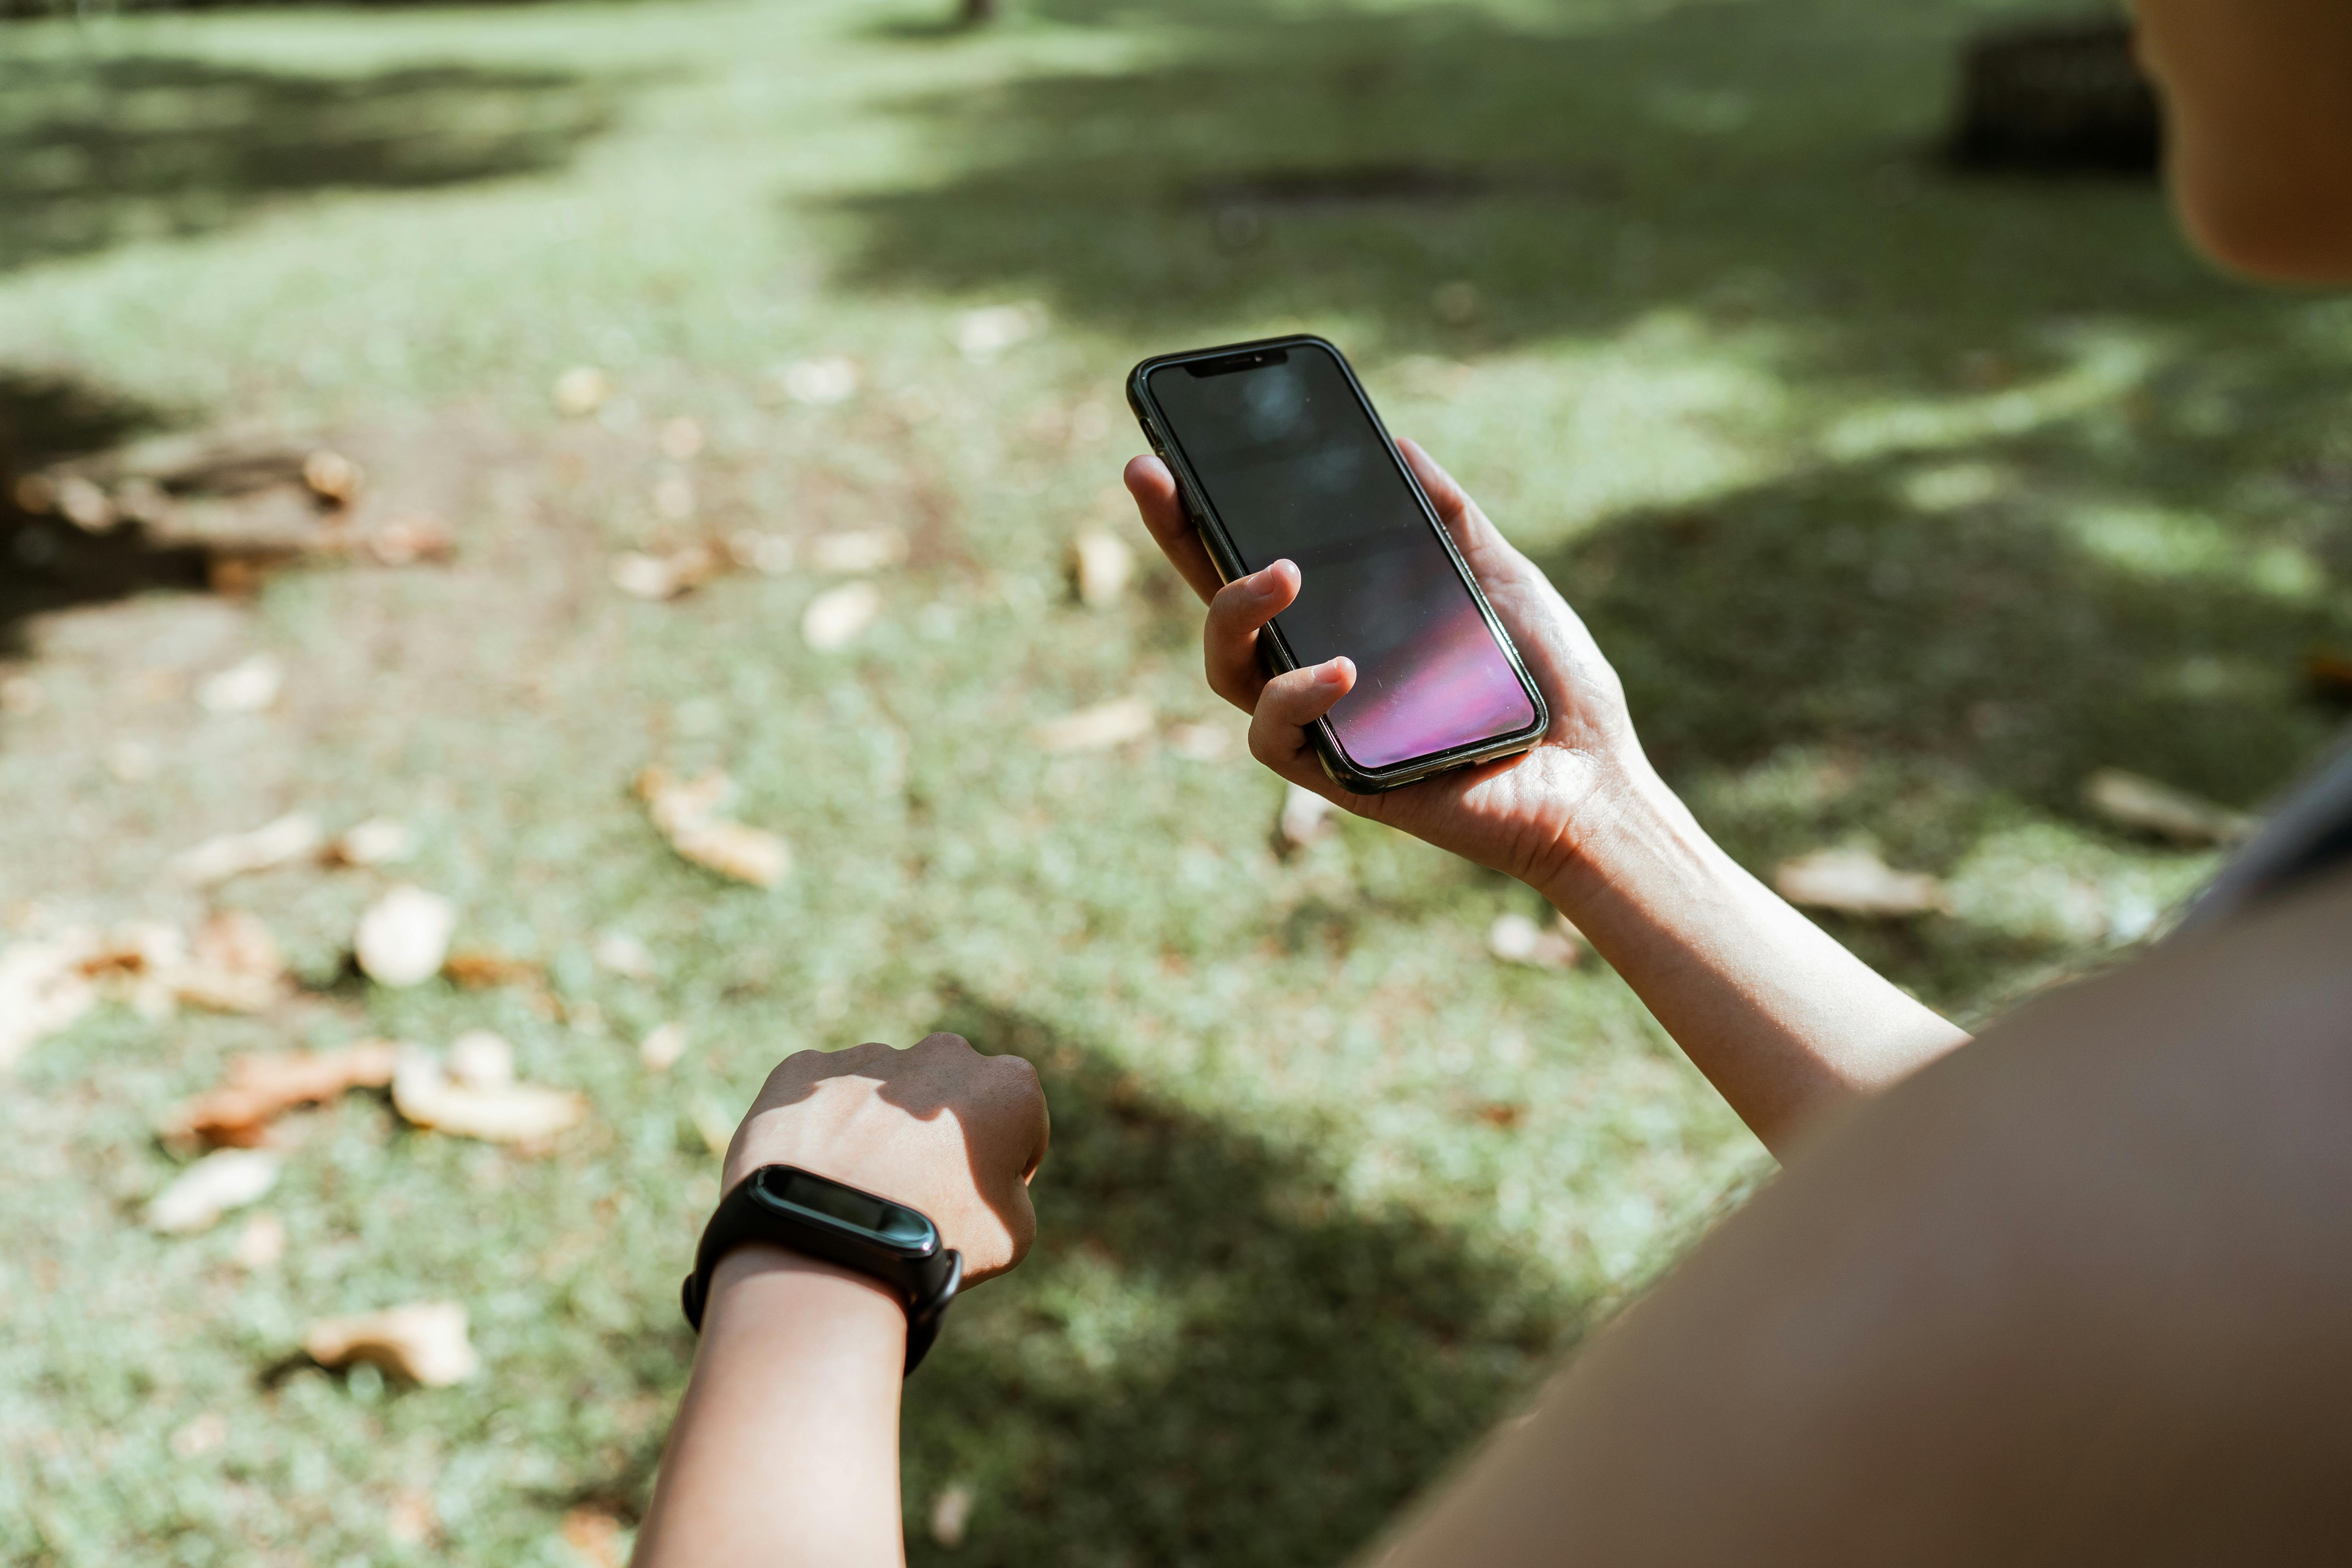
(234, 966)
(660, 1049)
(833, 379)
(261, 1243)
(332, 478)
(223, 1180)
(687, 813)
(834, 618)
(429, 1095)
(83, 504)
(857, 551)
(2144, 805)
(378, 841)
(481, 1059)
(1515, 939)
(1100, 566)
(594, 1537)
(1857, 882)
(647, 576)
(260, 1088)
(952, 1514)
(984, 333)
(246, 687)
(200, 1436)
(1095, 729)
(406, 540)
(625, 955)
(582, 389)
(478, 970)
(1305, 817)
(403, 938)
(43, 991)
(291, 837)
(770, 554)
(412, 1520)
(424, 1341)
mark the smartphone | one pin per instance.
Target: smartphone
(1277, 452)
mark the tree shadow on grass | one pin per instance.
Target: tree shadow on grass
(46, 562)
(1210, 1356)
(96, 150)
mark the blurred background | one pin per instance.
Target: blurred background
(585, 540)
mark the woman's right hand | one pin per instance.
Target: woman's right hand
(1533, 816)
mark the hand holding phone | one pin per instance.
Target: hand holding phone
(1525, 815)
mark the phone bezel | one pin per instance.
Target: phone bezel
(1342, 769)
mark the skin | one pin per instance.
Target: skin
(2075, 1294)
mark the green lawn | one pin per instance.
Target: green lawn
(1903, 501)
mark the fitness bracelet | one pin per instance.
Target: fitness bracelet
(802, 1212)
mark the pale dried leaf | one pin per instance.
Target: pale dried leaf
(1857, 882)
(673, 498)
(658, 577)
(43, 991)
(258, 1088)
(626, 956)
(405, 540)
(770, 554)
(833, 379)
(1306, 816)
(673, 802)
(291, 837)
(1515, 939)
(378, 841)
(424, 1341)
(856, 551)
(2143, 805)
(582, 389)
(246, 687)
(200, 1436)
(223, 1180)
(404, 936)
(260, 1243)
(332, 477)
(1095, 729)
(952, 1514)
(1101, 565)
(661, 1049)
(714, 1126)
(984, 333)
(83, 504)
(509, 1114)
(234, 966)
(747, 854)
(834, 618)
(412, 1520)
(481, 1059)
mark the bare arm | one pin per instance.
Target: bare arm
(1784, 1021)
(785, 1449)
(2075, 1294)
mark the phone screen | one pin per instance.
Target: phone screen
(1294, 467)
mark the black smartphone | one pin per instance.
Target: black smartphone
(1277, 452)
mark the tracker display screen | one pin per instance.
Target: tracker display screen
(1294, 467)
(834, 1201)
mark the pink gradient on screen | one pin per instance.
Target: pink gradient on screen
(1448, 686)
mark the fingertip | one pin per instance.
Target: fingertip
(1147, 477)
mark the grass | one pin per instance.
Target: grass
(1902, 501)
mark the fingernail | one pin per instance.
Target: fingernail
(1331, 673)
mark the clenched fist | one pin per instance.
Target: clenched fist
(936, 1127)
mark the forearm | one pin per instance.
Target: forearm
(786, 1450)
(1781, 1019)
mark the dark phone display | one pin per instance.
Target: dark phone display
(1293, 467)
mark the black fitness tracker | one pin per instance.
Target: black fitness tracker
(802, 1212)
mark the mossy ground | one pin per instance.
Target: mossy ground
(1903, 501)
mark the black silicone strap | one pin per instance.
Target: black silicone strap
(924, 1285)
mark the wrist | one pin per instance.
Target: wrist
(807, 1302)
(1626, 816)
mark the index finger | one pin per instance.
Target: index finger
(1154, 489)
